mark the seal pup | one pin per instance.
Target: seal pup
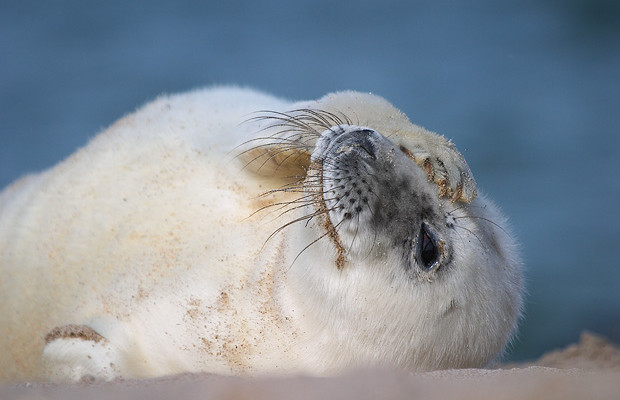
(201, 233)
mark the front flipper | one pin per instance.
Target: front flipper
(77, 353)
(444, 165)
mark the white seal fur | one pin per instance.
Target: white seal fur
(178, 240)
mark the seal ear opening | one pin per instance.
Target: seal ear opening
(276, 160)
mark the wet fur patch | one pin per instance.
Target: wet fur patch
(329, 227)
(72, 331)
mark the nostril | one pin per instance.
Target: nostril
(358, 141)
(363, 142)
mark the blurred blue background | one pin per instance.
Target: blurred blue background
(529, 91)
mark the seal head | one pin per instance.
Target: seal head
(403, 260)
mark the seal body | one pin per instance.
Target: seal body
(199, 235)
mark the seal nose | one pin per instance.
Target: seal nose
(361, 142)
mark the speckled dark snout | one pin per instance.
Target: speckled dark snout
(369, 181)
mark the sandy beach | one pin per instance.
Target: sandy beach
(589, 369)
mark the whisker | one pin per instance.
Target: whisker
(293, 222)
(374, 230)
(471, 232)
(484, 219)
(297, 153)
(357, 227)
(272, 155)
(300, 204)
(288, 120)
(310, 244)
(302, 200)
(279, 140)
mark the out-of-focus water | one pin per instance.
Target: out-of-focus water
(529, 91)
